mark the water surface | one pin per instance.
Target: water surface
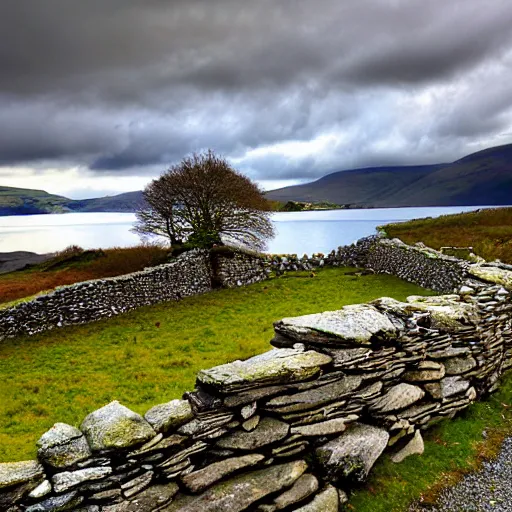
(297, 232)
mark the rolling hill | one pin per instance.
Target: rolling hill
(21, 201)
(482, 178)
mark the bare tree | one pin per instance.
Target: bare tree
(203, 200)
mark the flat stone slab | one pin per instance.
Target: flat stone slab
(15, 473)
(272, 367)
(240, 492)
(353, 454)
(173, 414)
(493, 275)
(62, 446)
(398, 397)
(65, 480)
(314, 397)
(355, 324)
(199, 480)
(115, 426)
(323, 428)
(305, 486)
(269, 430)
(148, 500)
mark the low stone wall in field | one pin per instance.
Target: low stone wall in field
(292, 429)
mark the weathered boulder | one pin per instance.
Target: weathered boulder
(355, 324)
(269, 430)
(398, 397)
(115, 426)
(173, 414)
(62, 446)
(238, 493)
(199, 480)
(325, 501)
(272, 367)
(351, 455)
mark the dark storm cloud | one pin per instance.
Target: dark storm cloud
(118, 85)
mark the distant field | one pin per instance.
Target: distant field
(152, 355)
(489, 232)
(74, 265)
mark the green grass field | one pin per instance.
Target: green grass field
(152, 355)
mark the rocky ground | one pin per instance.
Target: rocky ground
(11, 261)
(489, 489)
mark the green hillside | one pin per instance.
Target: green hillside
(20, 201)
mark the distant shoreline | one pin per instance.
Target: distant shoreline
(17, 260)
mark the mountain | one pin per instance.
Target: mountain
(21, 201)
(482, 178)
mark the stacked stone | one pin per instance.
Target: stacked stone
(241, 269)
(103, 298)
(293, 428)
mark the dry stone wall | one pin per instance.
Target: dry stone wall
(293, 429)
(198, 272)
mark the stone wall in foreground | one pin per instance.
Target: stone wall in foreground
(293, 429)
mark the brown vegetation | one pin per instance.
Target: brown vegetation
(488, 231)
(73, 265)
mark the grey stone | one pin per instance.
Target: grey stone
(248, 410)
(268, 431)
(63, 446)
(275, 366)
(65, 480)
(41, 490)
(414, 447)
(323, 428)
(115, 426)
(240, 492)
(325, 501)
(199, 480)
(251, 423)
(459, 365)
(305, 486)
(314, 397)
(398, 397)
(354, 324)
(426, 371)
(61, 503)
(352, 454)
(14, 473)
(448, 387)
(173, 414)
(148, 500)
(136, 485)
(493, 275)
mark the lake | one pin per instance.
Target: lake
(297, 232)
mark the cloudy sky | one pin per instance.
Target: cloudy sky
(100, 96)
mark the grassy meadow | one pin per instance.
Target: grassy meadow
(73, 265)
(488, 231)
(152, 355)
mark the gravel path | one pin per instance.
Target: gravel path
(489, 489)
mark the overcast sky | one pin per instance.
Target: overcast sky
(100, 96)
